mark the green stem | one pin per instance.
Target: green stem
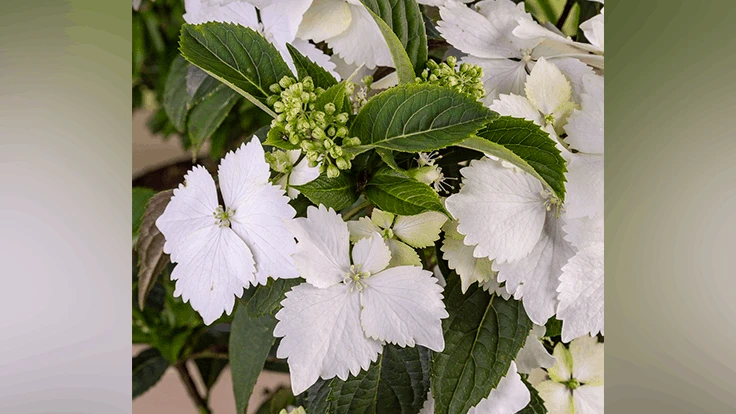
(191, 387)
(347, 216)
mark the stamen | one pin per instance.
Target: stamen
(223, 217)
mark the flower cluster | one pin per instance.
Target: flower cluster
(465, 78)
(321, 133)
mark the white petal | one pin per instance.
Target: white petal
(428, 406)
(509, 397)
(584, 231)
(531, 30)
(518, 107)
(371, 254)
(588, 399)
(534, 279)
(322, 336)
(499, 209)
(259, 221)
(382, 219)
(280, 22)
(585, 126)
(237, 12)
(362, 42)
(390, 80)
(317, 56)
(574, 71)
(547, 88)
(562, 371)
(460, 258)
(191, 208)
(584, 196)
(301, 174)
(593, 29)
(215, 267)
(403, 305)
(362, 228)
(322, 254)
(500, 76)
(557, 397)
(587, 360)
(402, 254)
(581, 294)
(325, 19)
(533, 355)
(243, 173)
(421, 230)
(493, 287)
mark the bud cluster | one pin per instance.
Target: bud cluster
(321, 133)
(466, 79)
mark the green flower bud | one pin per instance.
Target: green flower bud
(332, 171)
(278, 106)
(342, 164)
(285, 82)
(330, 108)
(341, 118)
(351, 142)
(341, 131)
(275, 88)
(331, 132)
(308, 83)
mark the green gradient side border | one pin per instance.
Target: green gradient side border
(670, 212)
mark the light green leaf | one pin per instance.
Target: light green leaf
(177, 101)
(402, 26)
(419, 117)
(482, 337)
(267, 298)
(148, 367)
(206, 117)
(397, 382)
(337, 193)
(306, 67)
(238, 56)
(531, 144)
(395, 192)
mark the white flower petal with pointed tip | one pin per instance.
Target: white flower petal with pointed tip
(576, 381)
(322, 336)
(366, 295)
(460, 258)
(553, 41)
(298, 173)
(509, 397)
(574, 71)
(586, 125)
(236, 12)
(533, 355)
(518, 107)
(581, 294)
(402, 254)
(325, 19)
(593, 29)
(221, 250)
(585, 189)
(547, 88)
(534, 279)
(420, 230)
(501, 210)
(500, 76)
(584, 231)
(362, 228)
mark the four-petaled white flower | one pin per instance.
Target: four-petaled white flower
(576, 382)
(337, 322)
(505, 41)
(402, 233)
(221, 250)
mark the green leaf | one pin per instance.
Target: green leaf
(338, 192)
(141, 196)
(177, 101)
(210, 370)
(402, 26)
(553, 327)
(388, 157)
(267, 298)
(533, 145)
(337, 95)
(238, 56)
(281, 399)
(482, 337)
(206, 117)
(150, 245)
(148, 367)
(251, 339)
(419, 117)
(397, 382)
(317, 396)
(536, 405)
(277, 137)
(396, 193)
(306, 67)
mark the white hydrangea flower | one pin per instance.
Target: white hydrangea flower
(402, 233)
(337, 322)
(581, 293)
(509, 397)
(505, 41)
(349, 29)
(279, 23)
(296, 173)
(221, 250)
(576, 382)
(533, 355)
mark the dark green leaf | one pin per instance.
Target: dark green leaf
(397, 382)
(536, 405)
(533, 145)
(335, 94)
(267, 298)
(317, 396)
(305, 67)
(148, 367)
(277, 137)
(554, 327)
(396, 193)
(337, 193)
(206, 117)
(482, 337)
(402, 26)
(150, 246)
(388, 157)
(300, 204)
(210, 370)
(238, 56)
(419, 117)
(281, 399)
(177, 101)
(250, 340)
(141, 196)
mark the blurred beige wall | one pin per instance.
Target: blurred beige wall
(169, 396)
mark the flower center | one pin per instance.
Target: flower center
(572, 384)
(388, 233)
(223, 217)
(354, 278)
